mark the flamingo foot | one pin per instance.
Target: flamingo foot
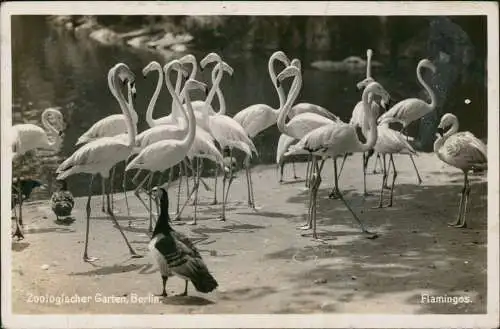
(463, 225)
(221, 218)
(193, 222)
(370, 235)
(214, 202)
(333, 195)
(134, 255)
(90, 259)
(163, 294)
(304, 227)
(182, 294)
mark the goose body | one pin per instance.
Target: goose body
(175, 254)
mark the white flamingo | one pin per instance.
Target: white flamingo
(357, 114)
(334, 140)
(226, 131)
(463, 151)
(390, 142)
(100, 155)
(167, 153)
(411, 109)
(302, 123)
(26, 137)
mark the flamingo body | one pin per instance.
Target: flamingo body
(311, 108)
(407, 110)
(256, 118)
(27, 137)
(110, 126)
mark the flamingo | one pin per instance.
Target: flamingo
(100, 155)
(110, 126)
(26, 137)
(463, 151)
(333, 140)
(412, 109)
(226, 131)
(390, 142)
(167, 153)
(302, 123)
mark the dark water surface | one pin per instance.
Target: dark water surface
(54, 68)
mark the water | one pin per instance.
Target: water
(54, 68)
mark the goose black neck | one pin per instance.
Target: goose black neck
(163, 223)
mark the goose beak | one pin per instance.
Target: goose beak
(440, 131)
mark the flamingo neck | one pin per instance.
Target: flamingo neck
(149, 113)
(187, 141)
(370, 121)
(124, 106)
(369, 64)
(213, 90)
(426, 87)
(51, 130)
(177, 113)
(279, 90)
(286, 108)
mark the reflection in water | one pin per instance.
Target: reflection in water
(55, 68)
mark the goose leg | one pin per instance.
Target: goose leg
(394, 175)
(86, 257)
(369, 234)
(416, 170)
(113, 218)
(164, 279)
(185, 289)
(384, 179)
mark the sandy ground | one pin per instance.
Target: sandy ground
(260, 259)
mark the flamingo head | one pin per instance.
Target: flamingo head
(210, 58)
(224, 66)
(152, 66)
(290, 71)
(369, 53)
(377, 89)
(365, 82)
(428, 64)
(280, 56)
(296, 62)
(177, 66)
(447, 120)
(192, 84)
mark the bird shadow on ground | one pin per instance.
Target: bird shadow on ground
(415, 252)
(269, 214)
(290, 182)
(187, 300)
(19, 246)
(49, 230)
(246, 293)
(112, 269)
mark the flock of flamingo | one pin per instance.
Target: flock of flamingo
(194, 131)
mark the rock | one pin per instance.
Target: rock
(353, 277)
(45, 266)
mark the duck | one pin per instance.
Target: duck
(62, 202)
(27, 186)
(176, 255)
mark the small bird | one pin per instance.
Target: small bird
(176, 255)
(461, 150)
(62, 203)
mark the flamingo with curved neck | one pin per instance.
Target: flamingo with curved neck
(99, 156)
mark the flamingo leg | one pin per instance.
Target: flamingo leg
(181, 173)
(19, 220)
(364, 174)
(282, 168)
(416, 170)
(138, 188)
(136, 176)
(112, 187)
(113, 218)
(251, 199)
(342, 165)
(103, 186)
(387, 170)
(196, 187)
(384, 180)
(187, 176)
(466, 202)
(225, 192)
(369, 234)
(315, 187)
(214, 202)
(333, 194)
(307, 170)
(124, 187)
(150, 187)
(86, 257)
(308, 224)
(377, 160)
(462, 203)
(294, 171)
(394, 175)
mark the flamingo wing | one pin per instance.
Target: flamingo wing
(228, 132)
(108, 127)
(256, 118)
(407, 110)
(284, 143)
(312, 108)
(464, 150)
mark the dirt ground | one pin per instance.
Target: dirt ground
(260, 259)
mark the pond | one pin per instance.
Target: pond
(52, 67)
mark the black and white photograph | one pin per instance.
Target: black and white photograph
(249, 164)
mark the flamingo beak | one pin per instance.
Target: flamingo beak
(440, 131)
